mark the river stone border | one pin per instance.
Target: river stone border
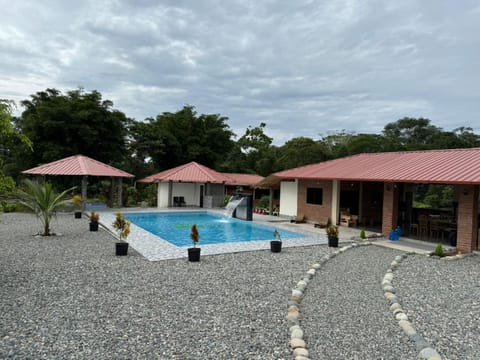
(426, 351)
(297, 342)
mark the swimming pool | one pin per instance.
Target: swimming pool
(175, 227)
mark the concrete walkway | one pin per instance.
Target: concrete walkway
(349, 233)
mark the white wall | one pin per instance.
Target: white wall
(288, 198)
(162, 195)
(189, 191)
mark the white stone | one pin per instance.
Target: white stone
(401, 316)
(302, 283)
(395, 306)
(294, 327)
(300, 352)
(389, 288)
(297, 293)
(394, 264)
(396, 311)
(297, 334)
(316, 266)
(407, 327)
(297, 343)
(388, 276)
(311, 271)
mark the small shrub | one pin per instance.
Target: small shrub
(8, 207)
(439, 250)
(194, 235)
(362, 234)
(94, 216)
(122, 225)
(332, 231)
(264, 202)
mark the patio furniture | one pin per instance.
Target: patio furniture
(422, 226)
(348, 220)
(178, 201)
(414, 229)
(436, 231)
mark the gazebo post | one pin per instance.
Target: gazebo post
(111, 196)
(120, 192)
(84, 192)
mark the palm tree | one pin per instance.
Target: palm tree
(43, 201)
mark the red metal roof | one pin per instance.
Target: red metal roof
(452, 166)
(191, 172)
(77, 165)
(243, 179)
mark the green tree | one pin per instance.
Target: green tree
(43, 201)
(9, 136)
(173, 139)
(336, 143)
(76, 123)
(367, 143)
(411, 134)
(301, 151)
(258, 154)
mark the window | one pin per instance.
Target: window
(314, 196)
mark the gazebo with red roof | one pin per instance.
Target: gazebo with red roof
(190, 184)
(197, 185)
(79, 165)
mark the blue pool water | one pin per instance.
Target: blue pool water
(213, 229)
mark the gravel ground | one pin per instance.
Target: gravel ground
(69, 296)
(442, 300)
(344, 313)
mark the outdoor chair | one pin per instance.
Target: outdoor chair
(422, 226)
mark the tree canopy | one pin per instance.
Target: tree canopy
(77, 122)
(58, 125)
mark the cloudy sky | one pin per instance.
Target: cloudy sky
(304, 67)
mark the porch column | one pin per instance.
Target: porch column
(390, 208)
(335, 201)
(467, 222)
(270, 202)
(360, 204)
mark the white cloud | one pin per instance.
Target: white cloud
(303, 67)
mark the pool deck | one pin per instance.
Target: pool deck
(155, 248)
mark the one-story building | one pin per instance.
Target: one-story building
(377, 188)
(196, 185)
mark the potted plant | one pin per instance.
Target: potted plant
(276, 245)
(122, 226)
(77, 203)
(94, 217)
(332, 233)
(194, 252)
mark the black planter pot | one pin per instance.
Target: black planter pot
(194, 254)
(94, 226)
(121, 248)
(78, 214)
(333, 241)
(275, 246)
